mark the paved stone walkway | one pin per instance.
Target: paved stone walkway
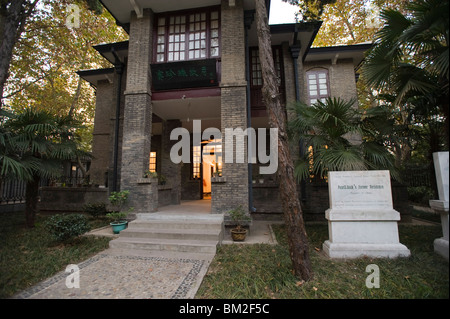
(116, 275)
(119, 274)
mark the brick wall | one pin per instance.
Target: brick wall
(341, 75)
(103, 131)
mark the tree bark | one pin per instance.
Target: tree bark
(297, 237)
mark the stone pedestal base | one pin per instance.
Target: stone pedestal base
(354, 234)
(441, 247)
(441, 244)
(355, 250)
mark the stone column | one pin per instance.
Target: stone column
(138, 116)
(231, 190)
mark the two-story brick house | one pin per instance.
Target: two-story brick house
(198, 61)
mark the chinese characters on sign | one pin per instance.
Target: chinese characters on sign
(187, 74)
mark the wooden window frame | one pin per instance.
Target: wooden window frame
(255, 66)
(256, 82)
(152, 166)
(161, 47)
(319, 95)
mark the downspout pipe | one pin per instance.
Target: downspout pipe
(118, 66)
(249, 16)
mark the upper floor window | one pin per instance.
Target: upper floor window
(318, 85)
(188, 36)
(256, 71)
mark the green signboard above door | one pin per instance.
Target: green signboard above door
(185, 74)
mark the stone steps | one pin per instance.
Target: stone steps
(184, 234)
(181, 233)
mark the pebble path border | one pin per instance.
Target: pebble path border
(139, 277)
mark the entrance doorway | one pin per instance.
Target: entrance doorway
(209, 165)
(208, 172)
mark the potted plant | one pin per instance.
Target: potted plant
(239, 218)
(150, 174)
(119, 221)
(118, 200)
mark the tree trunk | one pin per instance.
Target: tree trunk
(31, 200)
(297, 237)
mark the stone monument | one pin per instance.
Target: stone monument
(441, 206)
(361, 218)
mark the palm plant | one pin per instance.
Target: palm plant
(33, 145)
(410, 56)
(338, 137)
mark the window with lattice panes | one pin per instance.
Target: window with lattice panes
(214, 34)
(196, 161)
(318, 85)
(188, 36)
(152, 164)
(197, 36)
(177, 38)
(256, 72)
(256, 68)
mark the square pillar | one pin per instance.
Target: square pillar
(137, 128)
(231, 190)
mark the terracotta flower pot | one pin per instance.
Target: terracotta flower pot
(238, 234)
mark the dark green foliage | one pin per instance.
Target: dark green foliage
(338, 137)
(421, 194)
(93, 5)
(96, 210)
(66, 227)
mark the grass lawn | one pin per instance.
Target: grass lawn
(242, 271)
(264, 271)
(28, 256)
(432, 217)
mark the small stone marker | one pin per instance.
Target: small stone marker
(441, 165)
(361, 218)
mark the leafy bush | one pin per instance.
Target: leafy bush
(118, 199)
(421, 194)
(95, 210)
(117, 217)
(239, 216)
(65, 227)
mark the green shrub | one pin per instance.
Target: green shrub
(421, 194)
(118, 199)
(95, 210)
(65, 227)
